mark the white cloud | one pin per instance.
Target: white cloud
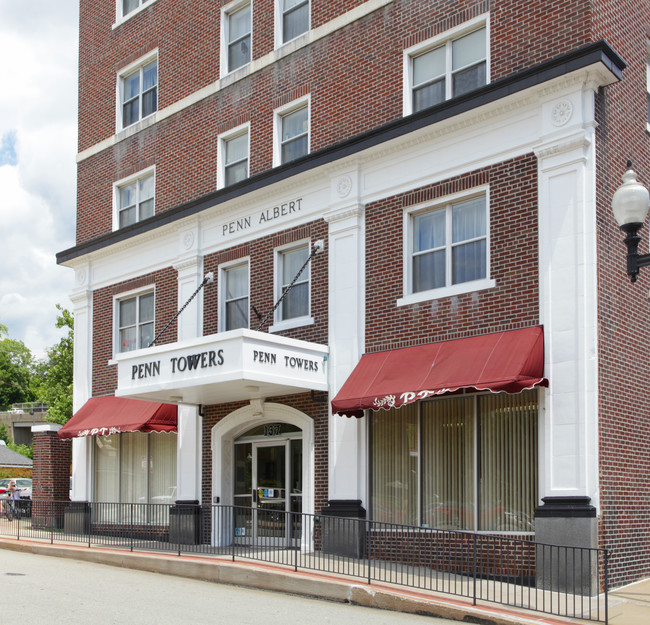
(38, 65)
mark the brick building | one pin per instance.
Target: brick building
(445, 171)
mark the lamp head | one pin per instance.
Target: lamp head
(631, 201)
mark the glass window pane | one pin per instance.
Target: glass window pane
(429, 230)
(429, 95)
(428, 66)
(127, 339)
(429, 271)
(132, 86)
(127, 312)
(134, 468)
(394, 471)
(296, 302)
(146, 188)
(468, 262)
(162, 468)
(236, 148)
(292, 261)
(295, 22)
(294, 149)
(236, 173)
(146, 307)
(239, 23)
(129, 5)
(243, 469)
(237, 282)
(468, 220)
(237, 314)
(146, 209)
(149, 102)
(127, 195)
(130, 113)
(508, 444)
(239, 53)
(294, 123)
(468, 49)
(469, 79)
(448, 464)
(149, 75)
(146, 335)
(127, 217)
(106, 469)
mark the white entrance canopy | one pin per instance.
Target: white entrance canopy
(229, 366)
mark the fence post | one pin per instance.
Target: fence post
(131, 524)
(606, 556)
(474, 536)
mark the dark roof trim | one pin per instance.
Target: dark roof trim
(599, 52)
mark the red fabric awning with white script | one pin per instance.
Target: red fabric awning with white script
(102, 416)
(510, 361)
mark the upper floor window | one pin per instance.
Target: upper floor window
(294, 18)
(127, 8)
(139, 92)
(292, 125)
(233, 156)
(234, 309)
(445, 68)
(448, 246)
(134, 199)
(237, 27)
(135, 322)
(296, 300)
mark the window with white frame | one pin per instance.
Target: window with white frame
(128, 6)
(134, 199)
(139, 92)
(448, 244)
(234, 157)
(446, 68)
(295, 304)
(292, 132)
(234, 310)
(134, 467)
(237, 27)
(135, 321)
(293, 18)
(465, 463)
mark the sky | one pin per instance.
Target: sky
(38, 139)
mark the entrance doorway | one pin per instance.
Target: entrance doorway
(268, 485)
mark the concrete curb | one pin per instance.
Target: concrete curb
(304, 583)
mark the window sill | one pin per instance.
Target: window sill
(112, 361)
(128, 131)
(456, 289)
(291, 323)
(125, 18)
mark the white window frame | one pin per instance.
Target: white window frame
(120, 184)
(121, 17)
(116, 314)
(446, 39)
(278, 115)
(409, 297)
(280, 324)
(127, 71)
(222, 140)
(223, 269)
(279, 29)
(226, 12)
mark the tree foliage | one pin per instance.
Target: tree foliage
(16, 371)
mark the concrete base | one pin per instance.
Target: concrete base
(343, 528)
(561, 525)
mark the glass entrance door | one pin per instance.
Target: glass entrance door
(268, 487)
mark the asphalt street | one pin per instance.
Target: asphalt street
(44, 590)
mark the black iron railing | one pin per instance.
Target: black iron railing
(510, 570)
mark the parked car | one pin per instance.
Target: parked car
(25, 486)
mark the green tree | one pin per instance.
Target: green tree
(54, 385)
(16, 369)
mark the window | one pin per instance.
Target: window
(139, 92)
(134, 468)
(128, 6)
(467, 463)
(234, 157)
(134, 199)
(234, 297)
(294, 18)
(237, 36)
(135, 322)
(448, 245)
(296, 302)
(446, 69)
(292, 132)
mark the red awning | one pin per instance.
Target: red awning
(101, 416)
(504, 361)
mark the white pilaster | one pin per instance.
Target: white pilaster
(347, 446)
(568, 298)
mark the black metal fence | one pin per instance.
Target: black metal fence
(515, 571)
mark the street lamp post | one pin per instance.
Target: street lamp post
(630, 205)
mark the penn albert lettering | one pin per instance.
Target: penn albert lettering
(268, 214)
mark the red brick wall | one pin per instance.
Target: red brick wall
(166, 286)
(262, 295)
(51, 469)
(624, 309)
(354, 77)
(513, 303)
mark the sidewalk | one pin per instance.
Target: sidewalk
(627, 606)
